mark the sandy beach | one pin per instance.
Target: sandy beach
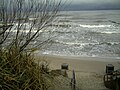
(89, 71)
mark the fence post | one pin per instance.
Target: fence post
(73, 82)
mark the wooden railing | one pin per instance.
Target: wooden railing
(112, 81)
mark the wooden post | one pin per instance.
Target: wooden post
(117, 85)
(73, 82)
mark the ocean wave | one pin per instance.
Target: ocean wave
(87, 18)
(84, 44)
(99, 21)
(93, 26)
(113, 32)
(114, 22)
(62, 32)
(65, 20)
(72, 43)
(103, 32)
(110, 43)
(66, 25)
(26, 31)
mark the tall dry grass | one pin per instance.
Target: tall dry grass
(18, 71)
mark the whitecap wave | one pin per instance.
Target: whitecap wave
(25, 28)
(94, 26)
(84, 44)
(74, 43)
(27, 31)
(110, 32)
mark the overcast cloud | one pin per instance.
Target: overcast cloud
(93, 4)
(94, 1)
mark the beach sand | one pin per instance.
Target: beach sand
(89, 71)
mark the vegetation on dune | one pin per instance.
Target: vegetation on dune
(18, 70)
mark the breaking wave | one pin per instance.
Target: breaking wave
(94, 26)
(83, 44)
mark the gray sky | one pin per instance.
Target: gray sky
(94, 1)
(93, 4)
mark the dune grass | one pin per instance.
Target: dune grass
(18, 71)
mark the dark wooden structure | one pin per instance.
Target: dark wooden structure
(109, 69)
(112, 78)
(64, 66)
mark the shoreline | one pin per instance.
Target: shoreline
(84, 64)
(88, 58)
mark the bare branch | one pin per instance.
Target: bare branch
(24, 19)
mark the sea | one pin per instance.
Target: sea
(93, 33)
